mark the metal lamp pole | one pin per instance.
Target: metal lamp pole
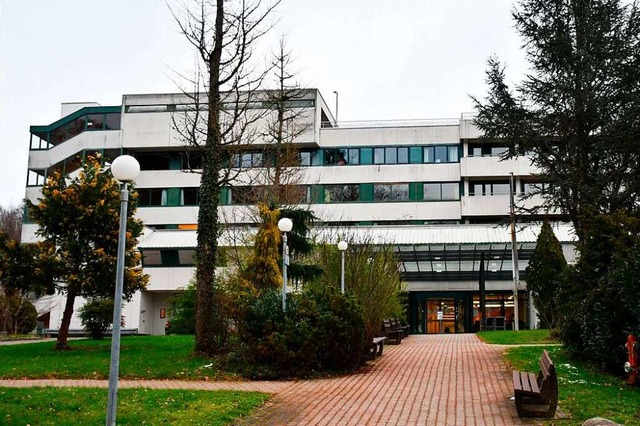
(285, 225)
(125, 169)
(342, 246)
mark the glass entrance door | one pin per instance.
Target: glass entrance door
(441, 316)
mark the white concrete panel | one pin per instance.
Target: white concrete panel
(167, 179)
(373, 136)
(449, 210)
(169, 279)
(29, 233)
(492, 166)
(147, 130)
(168, 215)
(468, 130)
(103, 139)
(490, 205)
(447, 172)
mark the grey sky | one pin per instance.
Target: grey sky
(402, 59)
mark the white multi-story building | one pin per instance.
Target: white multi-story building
(430, 187)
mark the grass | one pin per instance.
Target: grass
(141, 357)
(509, 337)
(584, 391)
(82, 406)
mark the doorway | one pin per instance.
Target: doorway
(440, 314)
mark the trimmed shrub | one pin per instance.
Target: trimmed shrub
(322, 330)
(182, 312)
(97, 316)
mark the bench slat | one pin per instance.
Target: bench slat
(517, 383)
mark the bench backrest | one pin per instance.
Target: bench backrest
(548, 380)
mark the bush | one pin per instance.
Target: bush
(17, 314)
(182, 311)
(322, 330)
(97, 317)
(599, 303)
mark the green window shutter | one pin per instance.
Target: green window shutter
(171, 227)
(415, 155)
(415, 191)
(175, 162)
(317, 194)
(366, 156)
(224, 196)
(173, 197)
(366, 192)
(461, 188)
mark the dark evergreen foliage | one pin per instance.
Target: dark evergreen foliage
(577, 113)
(97, 316)
(545, 273)
(321, 330)
(182, 312)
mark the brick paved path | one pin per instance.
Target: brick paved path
(427, 380)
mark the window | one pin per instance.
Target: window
(393, 192)
(487, 150)
(453, 154)
(488, 188)
(450, 191)
(148, 197)
(429, 156)
(403, 155)
(415, 155)
(305, 158)
(354, 156)
(366, 156)
(341, 193)
(432, 191)
(189, 197)
(391, 155)
(441, 154)
(446, 191)
(378, 156)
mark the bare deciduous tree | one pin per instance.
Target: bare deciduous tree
(222, 116)
(11, 221)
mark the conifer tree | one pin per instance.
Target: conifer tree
(79, 223)
(545, 273)
(577, 112)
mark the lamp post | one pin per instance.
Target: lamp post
(342, 246)
(284, 225)
(125, 169)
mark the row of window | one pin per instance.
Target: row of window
(41, 140)
(231, 106)
(381, 155)
(324, 194)
(314, 194)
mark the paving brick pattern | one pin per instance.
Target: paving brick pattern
(427, 380)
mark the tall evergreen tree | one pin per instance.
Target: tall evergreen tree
(577, 113)
(545, 273)
(79, 223)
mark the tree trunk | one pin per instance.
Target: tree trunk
(210, 324)
(63, 333)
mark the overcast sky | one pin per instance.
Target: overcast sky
(403, 59)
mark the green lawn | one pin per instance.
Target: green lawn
(584, 392)
(79, 406)
(509, 337)
(141, 357)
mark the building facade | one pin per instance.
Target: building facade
(432, 188)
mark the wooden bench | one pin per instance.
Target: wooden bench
(378, 346)
(391, 332)
(395, 323)
(537, 395)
